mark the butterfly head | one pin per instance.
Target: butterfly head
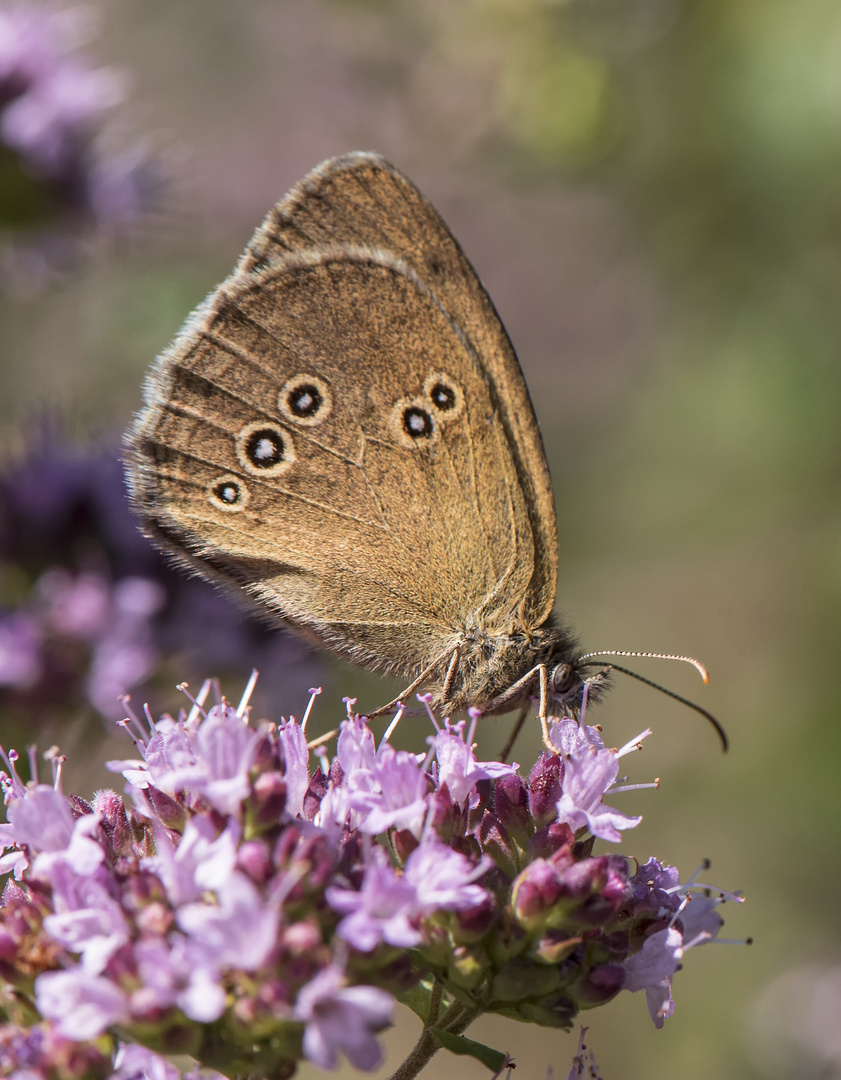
(572, 686)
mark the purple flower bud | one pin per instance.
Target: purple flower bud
(550, 840)
(495, 842)
(545, 788)
(300, 938)
(285, 849)
(601, 983)
(449, 818)
(511, 805)
(268, 801)
(473, 923)
(115, 823)
(254, 859)
(166, 808)
(8, 948)
(316, 790)
(155, 918)
(404, 843)
(555, 946)
(535, 893)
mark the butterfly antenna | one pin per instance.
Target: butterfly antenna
(587, 660)
(699, 667)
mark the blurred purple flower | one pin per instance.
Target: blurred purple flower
(87, 919)
(97, 625)
(177, 972)
(344, 1019)
(42, 820)
(54, 110)
(83, 1005)
(203, 859)
(444, 879)
(239, 931)
(135, 1062)
(20, 650)
(383, 909)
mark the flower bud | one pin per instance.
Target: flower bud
(545, 788)
(404, 842)
(268, 800)
(548, 841)
(496, 842)
(535, 893)
(115, 823)
(468, 966)
(511, 805)
(600, 984)
(471, 924)
(253, 857)
(168, 810)
(555, 946)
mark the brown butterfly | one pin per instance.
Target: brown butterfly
(342, 429)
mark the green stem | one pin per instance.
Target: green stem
(455, 1020)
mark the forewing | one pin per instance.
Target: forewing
(360, 199)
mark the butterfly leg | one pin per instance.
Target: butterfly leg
(544, 705)
(450, 677)
(515, 731)
(516, 691)
(451, 652)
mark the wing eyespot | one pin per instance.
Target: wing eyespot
(228, 493)
(264, 449)
(306, 400)
(413, 424)
(445, 395)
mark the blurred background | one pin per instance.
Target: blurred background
(650, 190)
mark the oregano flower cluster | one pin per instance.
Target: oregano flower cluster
(256, 901)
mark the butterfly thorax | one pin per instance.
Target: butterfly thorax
(492, 662)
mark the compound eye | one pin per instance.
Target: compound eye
(564, 679)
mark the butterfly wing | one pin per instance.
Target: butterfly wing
(360, 198)
(325, 433)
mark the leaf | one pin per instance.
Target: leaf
(457, 1044)
(417, 999)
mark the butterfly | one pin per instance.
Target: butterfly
(342, 430)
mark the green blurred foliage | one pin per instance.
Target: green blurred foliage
(697, 469)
